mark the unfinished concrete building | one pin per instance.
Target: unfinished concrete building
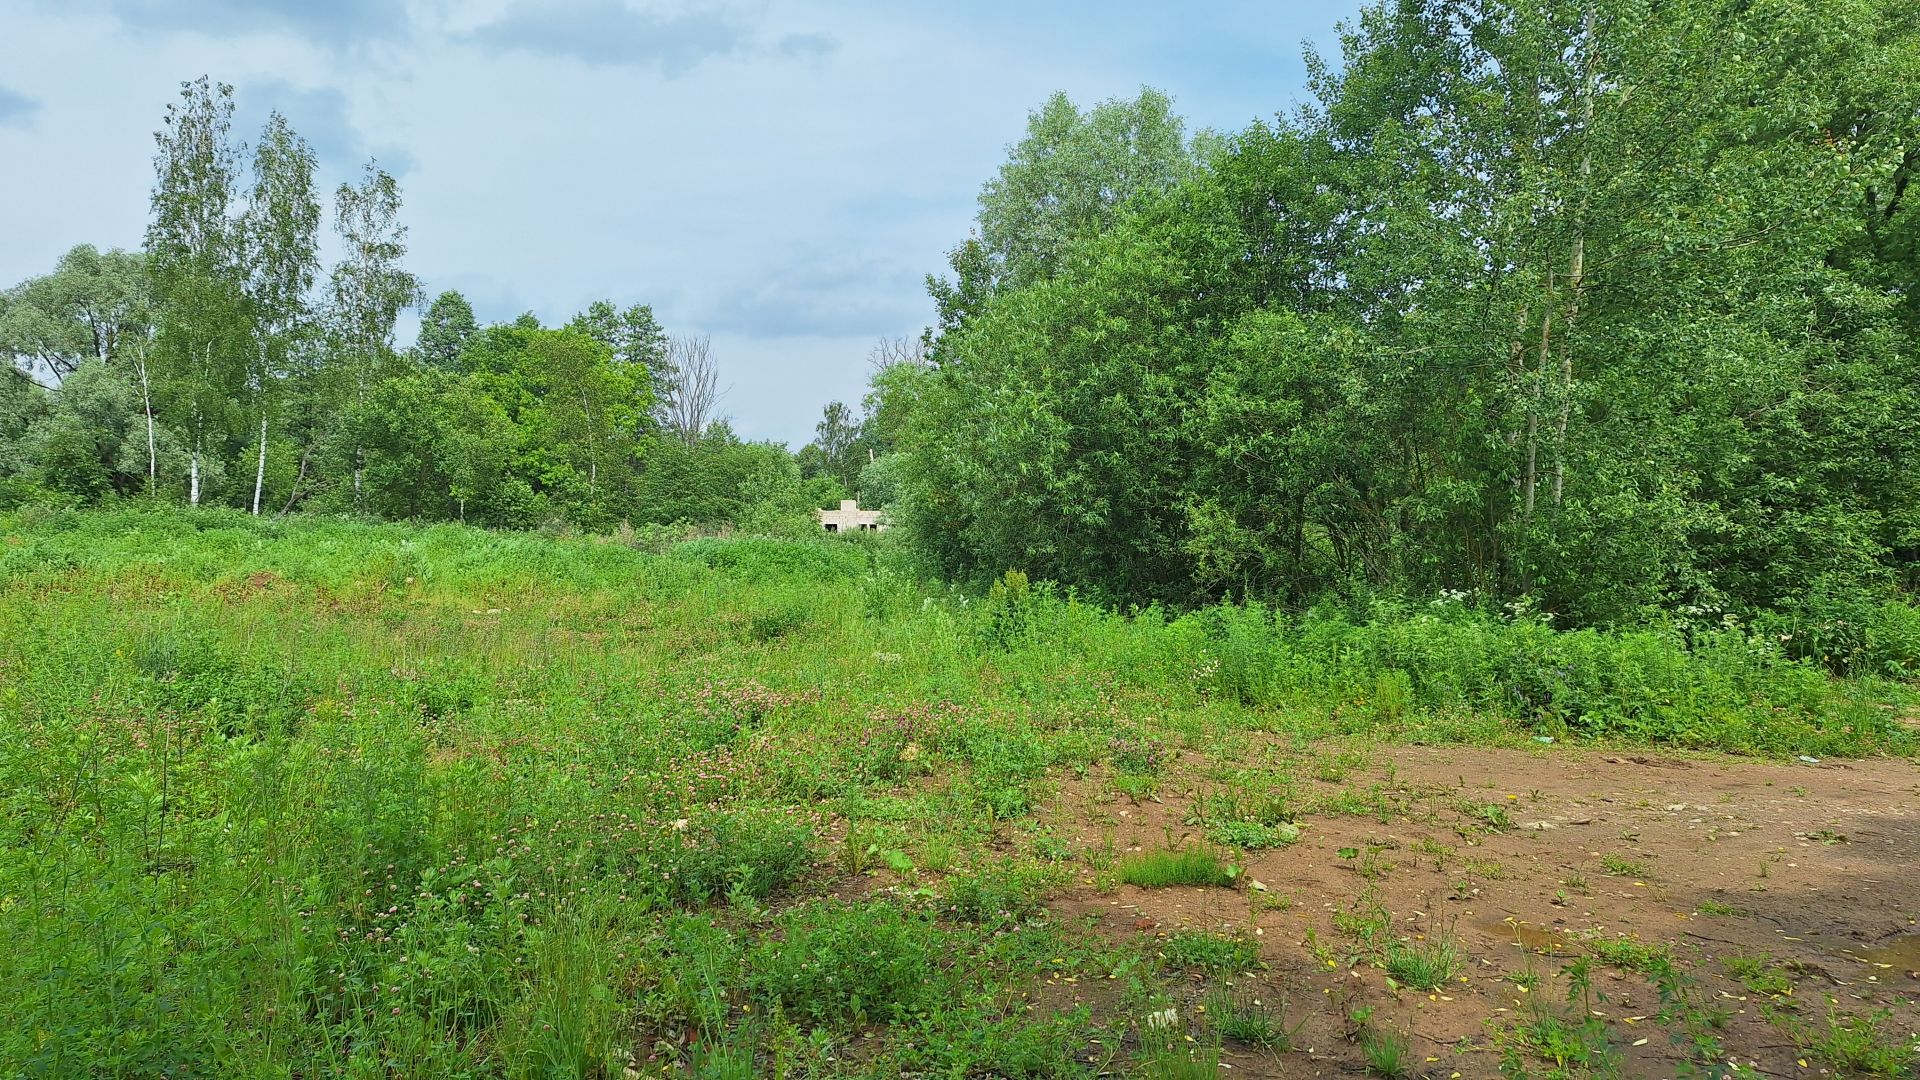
(849, 518)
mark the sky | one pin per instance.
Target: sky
(779, 175)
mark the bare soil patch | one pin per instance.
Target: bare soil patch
(1522, 859)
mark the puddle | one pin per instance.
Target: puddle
(1902, 954)
(1535, 938)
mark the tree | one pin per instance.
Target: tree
(367, 290)
(841, 444)
(637, 342)
(445, 330)
(94, 305)
(87, 444)
(282, 224)
(693, 387)
(1601, 304)
(194, 259)
(22, 402)
(581, 427)
(1071, 174)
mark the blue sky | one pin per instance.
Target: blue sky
(780, 175)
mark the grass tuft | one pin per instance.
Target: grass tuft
(1183, 866)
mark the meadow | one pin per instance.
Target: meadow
(317, 797)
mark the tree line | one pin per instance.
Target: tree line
(1604, 306)
(220, 364)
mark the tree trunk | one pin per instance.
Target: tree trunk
(1576, 265)
(260, 469)
(299, 479)
(153, 456)
(193, 475)
(1530, 482)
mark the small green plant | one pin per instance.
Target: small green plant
(1245, 1018)
(1168, 1053)
(1253, 836)
(1183, 866)
(1715, 907)
(836, 961)
(1622, 866)
(1006, 891)
(1759, 974)
(1389, 1053)
(1422, 965)
(1630, 954)
(1219, 954)
(1857, 1046)
(1491, 815)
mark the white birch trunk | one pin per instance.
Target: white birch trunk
(153, 455)
(260, 470)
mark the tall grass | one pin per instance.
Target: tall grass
(331, 798)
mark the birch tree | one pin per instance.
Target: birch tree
(368, 289)
(194, 252)
(283, 219)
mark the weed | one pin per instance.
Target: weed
(1426, 965)
(1253, 836)
(1621, 866)
(1630, 954)
(1857, 1045)
(1219, 954)
(1183, 866)
(1759, 974)
(1491, 815)
(1389, 1053)
(839, 961)
(1001, 893)
(1247, 1019)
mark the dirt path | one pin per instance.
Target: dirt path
(1810, 871)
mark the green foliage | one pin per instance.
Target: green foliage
(1858, 1046)
(1388, 1053)
(1218, 954)
(849, 962)
(1185, 866)
(731, 856)
(1467, 322)
(1245, 1018)
(1003, 893)
(479, 804)
(1422, 965)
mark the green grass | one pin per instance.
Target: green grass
(1630, 954)
(1622, 866)
(1184, 866)
(1220, 954)
(322, 797)
(1246, 1018)
(1422, 965)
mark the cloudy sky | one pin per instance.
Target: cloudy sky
(780, 175)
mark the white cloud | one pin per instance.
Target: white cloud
(781, 176)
